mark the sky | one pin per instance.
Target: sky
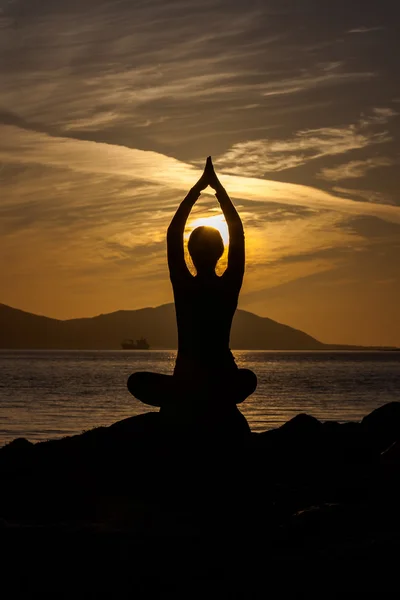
(108, 110)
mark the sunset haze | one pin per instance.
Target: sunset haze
(109, 109)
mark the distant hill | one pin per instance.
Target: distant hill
(19, 329)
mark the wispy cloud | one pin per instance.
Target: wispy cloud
(258, 157)
(369, 195)
(322, 75)
(355, 168)
(28, 147)
(364, 29)
(379, 116)
(130, 66)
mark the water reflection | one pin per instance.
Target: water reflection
(50, 394)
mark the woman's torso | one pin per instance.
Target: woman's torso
(204, 313)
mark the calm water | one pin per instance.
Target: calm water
(48, 394)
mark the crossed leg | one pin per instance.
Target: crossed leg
(152, 388)
(156, 389)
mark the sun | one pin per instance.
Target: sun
(216, 221)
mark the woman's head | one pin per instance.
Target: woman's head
(205, 248)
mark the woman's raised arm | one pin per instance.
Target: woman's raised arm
(175, 248)
(236, 253)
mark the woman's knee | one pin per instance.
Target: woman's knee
(137, 382)
(150, 388)
(248, 380)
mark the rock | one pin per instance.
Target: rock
(345, 443)
(138, 425)
(308, 493)
(391, 455)
(16, 455)
(292, 450)
(382, 426)
(302, 425)
(134, 462)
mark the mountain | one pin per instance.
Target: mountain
(19, 329)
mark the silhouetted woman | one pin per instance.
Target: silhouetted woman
(205, 371)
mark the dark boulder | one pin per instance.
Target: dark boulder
(302, 425)
(382, 426)
(391, 455)
(16, 456)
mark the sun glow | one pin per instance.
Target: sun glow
(216, 221)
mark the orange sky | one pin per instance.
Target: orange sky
(107, 112)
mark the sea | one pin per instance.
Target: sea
(51, 394)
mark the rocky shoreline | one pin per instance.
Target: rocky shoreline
(156, 509)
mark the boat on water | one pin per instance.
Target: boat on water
(140, 344)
